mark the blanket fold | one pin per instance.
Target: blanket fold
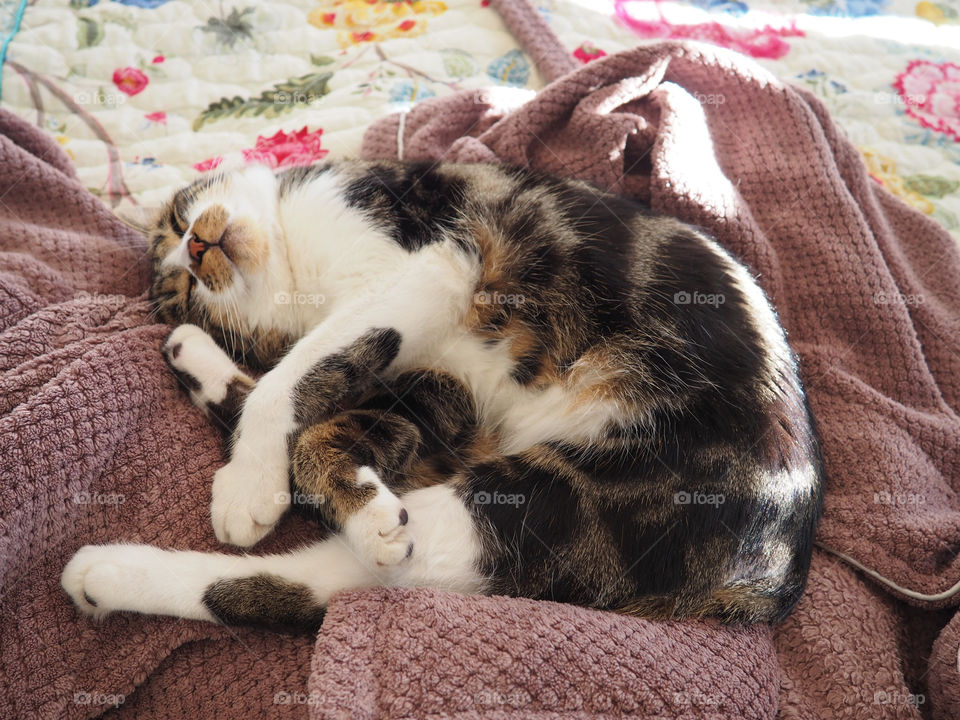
(426, 653)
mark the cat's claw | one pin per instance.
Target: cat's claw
(249, 497)
(378, 531)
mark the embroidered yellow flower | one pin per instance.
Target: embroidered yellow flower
(360, 21)
(884, 170)
(937, 13)
(63, 140)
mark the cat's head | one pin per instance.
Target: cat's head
(217, 257)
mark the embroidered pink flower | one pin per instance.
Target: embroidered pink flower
(208, 164)
(587, 52)
(766, 42)
(930, 94)
(157, 117)
(158, 59)
(129, 80)
(287, 149)
(279, 151)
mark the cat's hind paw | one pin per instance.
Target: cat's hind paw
(97, 578)
(378, 530)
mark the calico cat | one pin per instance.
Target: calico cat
(485, 380)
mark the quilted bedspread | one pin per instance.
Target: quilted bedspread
(144, 94)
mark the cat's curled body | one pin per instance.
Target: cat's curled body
(484, 380)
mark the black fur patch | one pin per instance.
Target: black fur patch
(414, 202)
(266, 601)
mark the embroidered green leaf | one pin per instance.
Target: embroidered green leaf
(234, 27)
(281, 98)
(89, 32)
(931, 185)
(321, 60)
(458, 63)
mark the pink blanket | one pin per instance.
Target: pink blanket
(100, 444)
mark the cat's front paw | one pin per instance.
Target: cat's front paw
(378, 530)
(97, 578)
(203, 367)
(250, 494)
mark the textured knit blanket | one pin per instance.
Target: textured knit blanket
(99, 444)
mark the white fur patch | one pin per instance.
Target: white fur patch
(378, 530)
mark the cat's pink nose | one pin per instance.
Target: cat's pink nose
(196, 247)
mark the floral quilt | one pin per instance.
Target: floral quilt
(144, 94)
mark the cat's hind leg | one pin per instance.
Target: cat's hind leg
(286, 592)
(279, 591)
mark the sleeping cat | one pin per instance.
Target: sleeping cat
(484, 380)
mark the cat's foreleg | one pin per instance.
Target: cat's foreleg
(215, 383)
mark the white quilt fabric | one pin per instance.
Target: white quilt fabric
(144, 94)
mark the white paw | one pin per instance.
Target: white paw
(378, 530)
(192, 352)
(99, 577)
(250, 493)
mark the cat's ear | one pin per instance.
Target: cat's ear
(140, 218)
